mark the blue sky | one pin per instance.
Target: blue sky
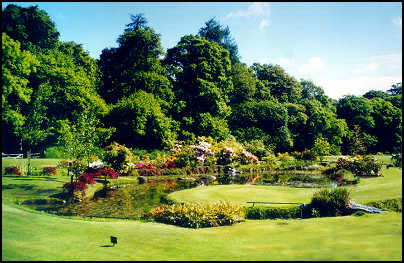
(346, 48)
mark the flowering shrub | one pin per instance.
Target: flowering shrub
(360, 165)
(75, 186)
(118, 157)
(12, 170)
(88, 178)
(109, 173)
(226, 156)
(146, 165)
(197, 215)
(169, 164)
(247, 157)
(96, 164)
(204, 153)
(49, 170)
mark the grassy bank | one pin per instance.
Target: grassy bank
(39, 236)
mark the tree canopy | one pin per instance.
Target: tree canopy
(55, 93)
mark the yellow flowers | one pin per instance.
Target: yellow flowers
(197, 215)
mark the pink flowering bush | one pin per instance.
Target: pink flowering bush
(247, 157)
(226, 156)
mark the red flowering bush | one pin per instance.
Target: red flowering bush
(110, 173)
(87, 178)
(76, 186)
(169, 164)
(49, 170)
(12, 170)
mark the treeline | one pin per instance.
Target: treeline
(140, 96)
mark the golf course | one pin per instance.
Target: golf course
(29, 234)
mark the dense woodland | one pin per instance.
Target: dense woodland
(140, 96)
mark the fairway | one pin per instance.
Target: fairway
(38, 236)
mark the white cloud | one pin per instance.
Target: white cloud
(314, 64)
(286, 62)
(389, 62)
(336, 88)
(368, 68)
(264, 23)
(254, 10)
(398, 21)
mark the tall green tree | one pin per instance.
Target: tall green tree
(282, 86)
(201, 73)
(140, 121)
(17, 67)
(244, 83)
(135, 65)
(31, 26)
(213, 31)
(388, 126)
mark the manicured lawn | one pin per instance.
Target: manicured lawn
(369, 189)
(39, 236)
(35, 235)
(243, 193)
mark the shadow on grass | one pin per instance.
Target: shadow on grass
(18, 186)
(39, 178)
(107, 246)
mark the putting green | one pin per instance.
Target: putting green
(387, 186)
(242, 194)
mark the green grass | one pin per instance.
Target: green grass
(369, 189)
(38, 236)
(33, 235)
(36, 164)
(241, 194)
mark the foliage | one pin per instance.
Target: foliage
(321, 147)
(17, 67)
(334, 202)
(198, 216)
(48, 170)
(360, 165)
(12, 170)
(75, 187)
(260, 212)
(31, 26)
(258, 148)
(356, 144)
(134, 65)
(87, 178)
(215, 32)
(307, 155)
(397, 159)
(282, 86)
(395, 204)
(200, 71)
(118, 157)
(82, 138)
(141, 121)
